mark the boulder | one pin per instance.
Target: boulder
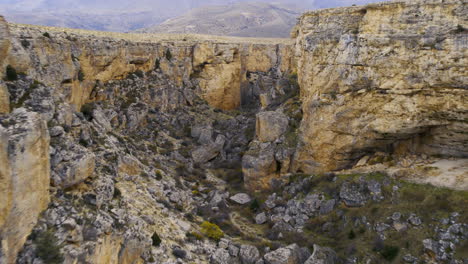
(208, 152)
(271, 125)
(241, 198)
(353, 194)
(291, 254)
(222, 256)
(322, 255)
(248, 254)
(260, 218)
(259, 168)
(76, 170)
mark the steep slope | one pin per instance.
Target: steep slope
(241, 19)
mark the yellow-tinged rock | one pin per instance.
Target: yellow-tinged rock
(28, 159)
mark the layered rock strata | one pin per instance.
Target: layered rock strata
(387, 77)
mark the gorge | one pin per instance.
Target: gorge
(140, 148)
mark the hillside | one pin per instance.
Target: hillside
(241, 19)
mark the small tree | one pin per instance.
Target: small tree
(168, 55)
(48, 249)
(11, 74)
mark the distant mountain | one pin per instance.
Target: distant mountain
(240, 19)
(129, 15)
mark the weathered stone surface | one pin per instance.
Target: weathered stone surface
(241, 198)
(28, 160)
(287, 255)
(208, 152)
(322, 255)
(4, 47)
(75, 66)
(5, 178)
(353, 194)
(248, 254)
(259, 169)
(74, 171)
(260, 218)
(271, 125)
(388, 76)
(4, 44)
(4, 98)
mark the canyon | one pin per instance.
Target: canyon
(137, 148)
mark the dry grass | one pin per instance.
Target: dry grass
(149, 38)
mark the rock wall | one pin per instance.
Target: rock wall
(25, 177)
(387, 77)
(75, 62)
(4, 48)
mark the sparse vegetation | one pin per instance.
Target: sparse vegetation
(87, 110)
(81, 75)
(47, 248)
(25, 43)
(46, 34)
(168, 55)
(11, 74)
(156, 240)
(211, 230)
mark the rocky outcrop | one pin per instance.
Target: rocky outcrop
(385, 77)
(27, 171)
(6, 191)
(322, 255)
(270, 125)
(72, 63)
(4, 48)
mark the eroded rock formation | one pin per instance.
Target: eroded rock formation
(26, 175)
(385, 77)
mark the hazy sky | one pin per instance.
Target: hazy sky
(169, 5)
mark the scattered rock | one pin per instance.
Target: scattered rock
(248, 254)
(322, 255)
(241, 198)
(260, 218)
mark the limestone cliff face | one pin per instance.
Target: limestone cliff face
(74, 63)
(25, 177)
(386, 77)
(4, 48)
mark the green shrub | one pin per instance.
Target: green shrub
(25, 43)
(156, 240)
(46, 34)
(211, 230)
(351, 234)
(87, 110)
(11, 74)
(157, 64)
(48, 249)
(81, 75)
(255, 205)
(389, 252)
(168, 55)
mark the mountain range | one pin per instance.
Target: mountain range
(146, 15)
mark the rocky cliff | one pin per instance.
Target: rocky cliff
(127, 148)
(387, 77)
